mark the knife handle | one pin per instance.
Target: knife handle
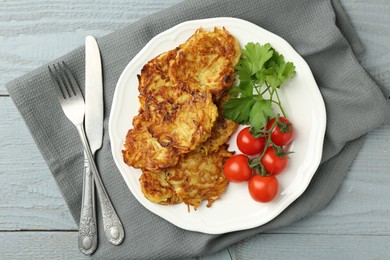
(87, 239)
(113, 228)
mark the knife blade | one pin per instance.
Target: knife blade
(87, 240)
(93, 94)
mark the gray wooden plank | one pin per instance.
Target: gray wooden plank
(41, 32)
(63, 245)
(29, 197)
(54, 245)
(39, 245)
(33, 33)
(308, 246)
(371, 19)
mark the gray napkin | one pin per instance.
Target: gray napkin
(318, 29)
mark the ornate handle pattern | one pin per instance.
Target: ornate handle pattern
(87, 239)
(113, 227)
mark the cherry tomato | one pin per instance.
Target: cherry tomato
(248, 144)
(283, 132)
(237, 169)
(274, 163)
(263, 188)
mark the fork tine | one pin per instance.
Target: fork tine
(71, 102)
(64, 81)
(73, 83)
(60, 87)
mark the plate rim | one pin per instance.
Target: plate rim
(309, 76)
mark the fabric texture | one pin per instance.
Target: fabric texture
(319, 31)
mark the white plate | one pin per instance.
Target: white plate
(235, 210)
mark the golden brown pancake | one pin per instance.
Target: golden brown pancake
(178, 136)
(206, 61)
(222, 130)
(142, 150)
(155, 74)
(197, 177)
(180, 118)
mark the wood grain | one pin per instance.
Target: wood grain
(53, 245)
(308, 246)
(29, 197)
(33, 33)
(62, 245)
(35, 222)
(371, 19)
(39, 245)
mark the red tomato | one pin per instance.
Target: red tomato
(263, 188)
(283, 132)
(274, 163)
(248, 144)
(237, 169)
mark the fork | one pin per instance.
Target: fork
(72, 103)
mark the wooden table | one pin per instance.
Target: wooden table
(34, 220)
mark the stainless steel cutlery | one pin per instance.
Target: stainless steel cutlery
(72, 103)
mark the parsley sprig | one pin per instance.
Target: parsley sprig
(261, 72)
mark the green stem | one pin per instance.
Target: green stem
(257, 90)
(280, 104)
(271, 92)
(257, 161)
(266, 89)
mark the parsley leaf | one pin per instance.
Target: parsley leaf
(238, 109)
(261, 111)
(246, 88)
(278, 70)
(261, 70)
(254, 57)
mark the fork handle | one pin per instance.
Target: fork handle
(113, 227)
(88, 239)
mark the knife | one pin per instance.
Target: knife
(87, 239)
(113, 228)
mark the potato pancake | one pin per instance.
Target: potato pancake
(222, 130)
(197, 177)
(174, 122)
(142, 150)
(179, 118)
(206, 61)
(154, 74)
(178, 137)
(157, 189)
